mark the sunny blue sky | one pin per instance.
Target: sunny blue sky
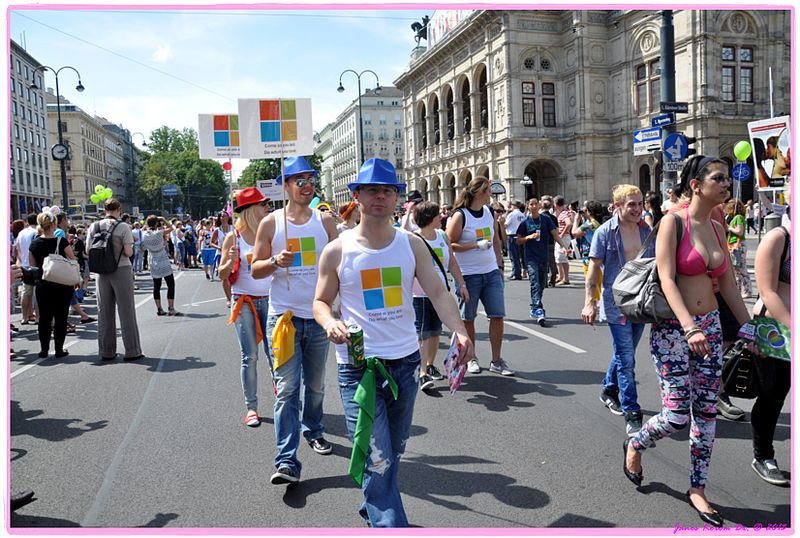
(147, 68)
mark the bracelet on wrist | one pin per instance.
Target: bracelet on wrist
(691, 332)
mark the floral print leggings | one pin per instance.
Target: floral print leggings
(689, 385)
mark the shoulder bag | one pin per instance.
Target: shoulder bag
(59, 269)
(739, 377)
(637, 289)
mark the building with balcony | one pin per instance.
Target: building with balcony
(29, 181)
(546, 102)
(323, 147)
(382, 117)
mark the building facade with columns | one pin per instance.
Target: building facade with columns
(546, 102)
(382, 119)
(29, 161)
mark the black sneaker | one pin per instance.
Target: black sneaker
(284, 475)
(425, 382)
(612, 402)
(769, 472)
(727, 409)
(433, 373)
(320, 446)
(633, 422)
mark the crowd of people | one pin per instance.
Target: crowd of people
(380, 283)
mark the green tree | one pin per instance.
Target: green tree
(264, 169)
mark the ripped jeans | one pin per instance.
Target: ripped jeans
(382, 506)
(689, 387)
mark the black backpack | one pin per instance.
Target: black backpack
(101, 252)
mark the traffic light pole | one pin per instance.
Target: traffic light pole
(667, 88)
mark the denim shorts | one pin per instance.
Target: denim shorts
(487, 287)
(427, 322)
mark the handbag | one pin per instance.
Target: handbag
(637, 289)
(60, 270)
(235, 273)
(739, 376)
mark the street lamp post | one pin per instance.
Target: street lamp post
(133, 165)
(377, 90)
(56, 151)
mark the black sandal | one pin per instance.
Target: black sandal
(636, 478)
(160, 312)
(173, 312)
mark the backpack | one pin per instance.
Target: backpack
(637, 289)
(101, 252)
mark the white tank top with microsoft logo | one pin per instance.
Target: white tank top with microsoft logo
(295, 291)
(476, 261)
(245, 283)
(442, 251)
(375, 292)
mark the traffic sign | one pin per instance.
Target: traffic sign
(269, 188)
(675, 147)
(669, 106)
(673, 166)
(740, 172)
(497, 188)
(179, 210)
(169, 190)
(663, 119)
(646, 140)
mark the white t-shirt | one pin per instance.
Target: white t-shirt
(513, 220)
(24, 244)
(442, 251)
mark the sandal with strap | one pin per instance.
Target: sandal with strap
(160, 312)
(173, 312)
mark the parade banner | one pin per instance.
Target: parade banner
(218, 136)
(273, 128)
(771, 142)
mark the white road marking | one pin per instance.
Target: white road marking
(27, 367)
(538, 334)
(203, 302)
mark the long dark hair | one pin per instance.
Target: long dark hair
(465, 197)
(654, 199)
(695, 168)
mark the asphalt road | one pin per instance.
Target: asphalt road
(160, 442)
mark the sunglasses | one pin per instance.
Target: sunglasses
(302, 182)
(264, 203)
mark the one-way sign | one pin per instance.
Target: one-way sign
(669, 106)
(646, 140)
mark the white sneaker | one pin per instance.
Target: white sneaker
(500, 367)
(473, 367)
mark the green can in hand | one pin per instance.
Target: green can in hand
(355, 349)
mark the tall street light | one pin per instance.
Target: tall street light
(59, 151)
(377, 91)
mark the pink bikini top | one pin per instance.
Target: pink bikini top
(690, 262)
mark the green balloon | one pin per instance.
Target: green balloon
(98, 189)
(107, 193)
(95, 199)
(742, 150)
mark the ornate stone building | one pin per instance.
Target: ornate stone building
(547, 101)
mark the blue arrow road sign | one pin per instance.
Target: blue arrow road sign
(663, 119)
(675, 147)
(644, 135)
(740, 172)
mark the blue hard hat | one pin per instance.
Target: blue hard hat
(377, 172)
(293, 166)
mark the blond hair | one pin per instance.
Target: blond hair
(620, 192)
(248, 220)
(46, 220)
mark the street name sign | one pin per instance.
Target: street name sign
(669, 106)
(663, 119)
(646, 140)
(169, 190)
(675, 147)
(740, 172)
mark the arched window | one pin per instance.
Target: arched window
(484, 100)
(644, 178)
(437, 137)
(449, 118)
(465, 111)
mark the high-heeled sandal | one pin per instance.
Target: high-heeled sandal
(636, 478)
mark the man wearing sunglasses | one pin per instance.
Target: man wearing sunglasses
(288, 248)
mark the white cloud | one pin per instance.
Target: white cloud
(162, 53)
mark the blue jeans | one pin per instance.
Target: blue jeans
(382, 506)
(620, 375)
(182, 253)
(307, 365)
(246, 333)
(514, 254)
(488, 288)
(537, 275)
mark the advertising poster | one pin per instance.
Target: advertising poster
(271, 128)
(770, 140)
(218, 136)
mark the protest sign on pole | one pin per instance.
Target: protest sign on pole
(771, 142)
(218, 136)
(273, 128)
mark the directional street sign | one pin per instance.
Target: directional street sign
(673, 166)
(663, 119)
(169, 190)
(669, 106)
(740, 172)
(646, 140)
(675, 147)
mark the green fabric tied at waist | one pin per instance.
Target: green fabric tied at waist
(365, 398)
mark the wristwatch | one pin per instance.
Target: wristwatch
(274, 261)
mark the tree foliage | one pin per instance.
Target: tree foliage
(264, 169)
(173, 159)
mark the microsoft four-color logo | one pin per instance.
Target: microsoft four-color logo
(226, 130)
(382, 288)
(305, 251)
(439, 254)
(278, 120)
(484, 233)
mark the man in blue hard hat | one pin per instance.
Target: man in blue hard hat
(287, 248)
(372, 269)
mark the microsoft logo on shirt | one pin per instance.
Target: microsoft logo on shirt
(304, 249)
(484, 233)
(382, 288)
